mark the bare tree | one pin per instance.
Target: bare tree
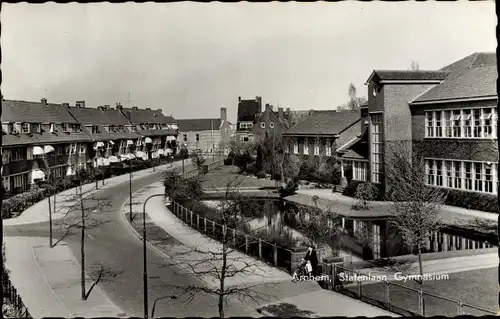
(84, 214)
(354, 102)
(415, 206)
(197, 159)
(415, 66)
(221, 264)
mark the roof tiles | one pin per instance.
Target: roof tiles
(324, 123)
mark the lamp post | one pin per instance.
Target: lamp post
(130, 190)
(144, 253)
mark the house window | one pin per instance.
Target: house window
(263, 124)
(467, 123)
(377, 148)
(359, 170)
(185, 137)
(36, 128)
(456, 123)
(487, 122)
(466, 175)
(18, 154)
(244, 138)
(64, 127)
(271, 124)
(295, 147)
(316, 148)
(429, 124)
(438, 129)
(25, 128)
(6, 183)
(306, 147)
(439, 173)
(328, 148)
(477, 123)
(19, 181)
(376, 241)
(82, 149)
(447, 124)
(197, 137)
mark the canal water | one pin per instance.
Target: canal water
(385, 240)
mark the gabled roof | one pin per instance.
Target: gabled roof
(191, 125)
(143, 116)
(399, 75)
(35, 112)
(248, 110)
(325, 123)
(472, 77)
(349, 137)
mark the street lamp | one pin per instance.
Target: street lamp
(144, 253)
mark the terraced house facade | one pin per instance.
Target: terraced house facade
(448, 116)
(48, 141)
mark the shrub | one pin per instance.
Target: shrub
(290, 189)
(350, 189)
(260, 174)
(470, 200)
(365, 192)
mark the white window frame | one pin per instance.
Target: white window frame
(296, 147)
(456, 176)
(25, 128)
(271, 124)
(6, 182)
(328, 148)
(376, 142)
(64, 127)
(473, 123)
(306, 147)
(316, 148)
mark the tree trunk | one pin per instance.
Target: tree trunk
(223, 270)
(421, 267)
(82, 248)
(50, 224)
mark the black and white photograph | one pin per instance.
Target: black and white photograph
(274, 159)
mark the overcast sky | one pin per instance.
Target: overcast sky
(189, 59)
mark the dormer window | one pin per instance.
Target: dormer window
(271, 125)
(25, 128)
(52, 128)
(36, 128)
(64, 127)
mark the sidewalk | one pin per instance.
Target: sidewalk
(450, 214)
(39, 212)
(257, 276)
(48, 281)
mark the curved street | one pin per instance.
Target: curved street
(113, 245)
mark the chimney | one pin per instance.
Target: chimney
(288, 110)
(106, 107)
(66, 105)
(80, 104)
(239, 98)
(100, 107)
(148, 109)
(119, 106)
(44, 101)
(223, 114)
(280, 113)
(258, 99)
(135, 108)
(269, 107)
(159, 110)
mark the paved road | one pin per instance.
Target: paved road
(112, 245)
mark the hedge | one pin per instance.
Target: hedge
(471, 200)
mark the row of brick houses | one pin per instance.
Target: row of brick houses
(47, 141)
(449, 117)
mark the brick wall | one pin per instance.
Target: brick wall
(205, 139)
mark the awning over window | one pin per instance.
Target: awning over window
(105, 162)
(123, 157)
(130, 142)
(171, 138)
(140, 154)
(111, 142)
(99, 161)
(168, 151)
(160, 152)
(70, 171)
(148, 140)
(130, 156)
(99, 144)
(48, 148)
(37, 174)
(113, 159)
(154, 155)
(174, 126)
(37, 150)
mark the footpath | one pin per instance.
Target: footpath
(48, 279)
(195, 253)
(327, 198)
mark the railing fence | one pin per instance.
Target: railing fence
(10, 293)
